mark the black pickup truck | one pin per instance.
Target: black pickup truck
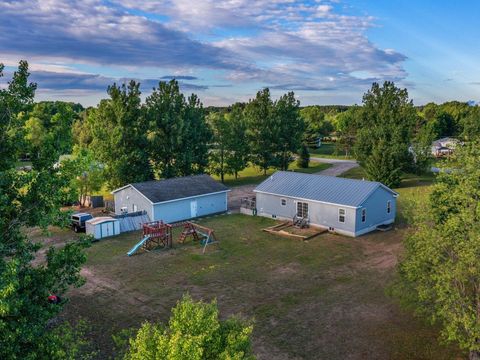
(78, 221)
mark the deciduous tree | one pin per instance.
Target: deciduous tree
(30, 199)
(440, 267)
(119, 132)
(388, 118)
(290, 129)
(194, 332)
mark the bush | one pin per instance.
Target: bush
(194, 331)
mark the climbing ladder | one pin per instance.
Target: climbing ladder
(188, 230)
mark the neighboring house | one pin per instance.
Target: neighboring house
(173, 199)
(345, 206)
(444, 147)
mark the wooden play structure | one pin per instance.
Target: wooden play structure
(155, 234)
(204, 235)
(159, 234)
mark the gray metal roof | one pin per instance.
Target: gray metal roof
(178, 188)
(329, 189)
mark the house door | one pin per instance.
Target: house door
(193, 208)
(302, 210)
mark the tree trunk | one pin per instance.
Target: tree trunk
(474, 355)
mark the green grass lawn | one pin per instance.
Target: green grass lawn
(327, 150)
(321, 299)
(254, 175)
(408, 180)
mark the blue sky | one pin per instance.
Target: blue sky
(327, 51)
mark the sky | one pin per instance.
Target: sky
(326, 51)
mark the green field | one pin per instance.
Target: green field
(254, 175)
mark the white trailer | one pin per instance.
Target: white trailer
(101, 227)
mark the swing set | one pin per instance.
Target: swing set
(159, 234)
(203, 234)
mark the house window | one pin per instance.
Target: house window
(124, 210)
(302, 209)
(283, 202)
(389, 207)
(364, 215)
(341, 215)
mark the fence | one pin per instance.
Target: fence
(132, 221)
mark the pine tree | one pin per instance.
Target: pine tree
(381, 165)
(303, 157)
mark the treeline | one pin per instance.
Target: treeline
(172, 135)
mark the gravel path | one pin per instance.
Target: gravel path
(338, 167)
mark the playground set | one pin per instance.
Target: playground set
(158, 234)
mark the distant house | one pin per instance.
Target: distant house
(346, 206)
(444, 147)
(173, 200)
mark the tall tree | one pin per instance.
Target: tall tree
(440, 267)
(262, 130)
(196, 138)
(290, 128)
(237, 144)
(316, 124)
(388, 117)
(30, 199)
(470, 125)
(219, 151)
(48, 130)
(119, 133)
(17, 97)
(165, 112)
(85, 174)
(346, 125)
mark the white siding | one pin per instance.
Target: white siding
(130, 197)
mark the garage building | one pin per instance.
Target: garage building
(173, 200)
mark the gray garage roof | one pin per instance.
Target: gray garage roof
(177, 188)
(329, 189)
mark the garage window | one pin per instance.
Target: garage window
(283, 202)
(341, 215)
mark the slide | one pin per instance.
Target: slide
(138, 246)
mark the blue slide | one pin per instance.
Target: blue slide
(138, 246)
